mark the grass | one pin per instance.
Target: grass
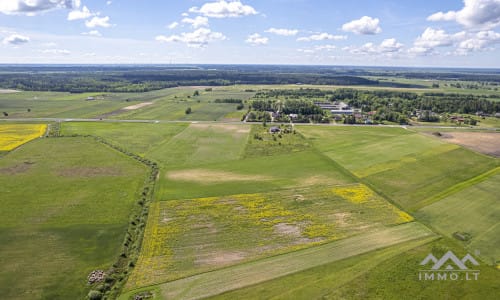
(251, 175)
(174, 105)
(223, 280)
(237, 228)
(401, 164)
(473, 210)
(14, 135)
(316, 282)
(264, 143)
(202, 144)
(139, 138)
(65, 208)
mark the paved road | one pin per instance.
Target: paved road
(231, 122)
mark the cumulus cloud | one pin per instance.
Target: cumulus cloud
(433, 38)
(16, 39)
(33, 7)
(475, 14)
(282, 31)
(479, 41)
(196, 22)
(173, 25)
(322, 37)
(318, 48)
(98, 22)
(387, 47)
(257, 40)
(197, 39)
(85, 13)
(365, 25)
(92, 33)
(56, 51)
(224, 9)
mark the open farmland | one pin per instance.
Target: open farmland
(14, 135)
(479, 205)
(65, 208)
(185, 237)
(401, 164)
(243, 275)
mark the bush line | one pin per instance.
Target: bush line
(117, 275)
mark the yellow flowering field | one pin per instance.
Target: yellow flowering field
(14, 135)
(186, 237)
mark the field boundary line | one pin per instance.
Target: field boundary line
(455, 189)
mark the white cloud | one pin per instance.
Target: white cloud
(173, 25)
(283, 32)
(196, 22)
(16, 39)
(109, 2)
(256, 40)
(223, 9)
(475, 13)
(56, 51)
(196, 39)
(98, 22)
(92, 33)
(85, 13)
(185, 14)
(325, 47)
(33, 7)
(322, 37)
(480, 41)
(387, 47)
(432, 38)
(365, 25)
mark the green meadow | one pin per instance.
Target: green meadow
(65, 208)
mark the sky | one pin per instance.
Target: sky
(444, 33)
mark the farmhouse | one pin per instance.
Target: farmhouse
(90, 98)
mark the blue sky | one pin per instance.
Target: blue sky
(447, 33)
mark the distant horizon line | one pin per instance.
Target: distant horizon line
(243, 64)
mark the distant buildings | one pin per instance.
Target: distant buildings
(338, 108)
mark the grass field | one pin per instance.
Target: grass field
(65, 208)
(14, 135)
(404, 165)
(139, 138)
(213, 283)
(185, 237)
(479, 205)
(390, 273)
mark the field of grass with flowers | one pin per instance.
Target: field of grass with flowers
(186, 237)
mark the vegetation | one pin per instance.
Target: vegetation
(77, 195)
(14, 135)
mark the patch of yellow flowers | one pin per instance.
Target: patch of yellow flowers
(358, 193)
(14, 135)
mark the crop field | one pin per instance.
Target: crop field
(403, 165)
(65, 208)
(479, 204)
(14, 135)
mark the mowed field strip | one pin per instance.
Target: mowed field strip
(473, 211)
(223, 280)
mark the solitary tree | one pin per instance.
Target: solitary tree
(188, 110)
